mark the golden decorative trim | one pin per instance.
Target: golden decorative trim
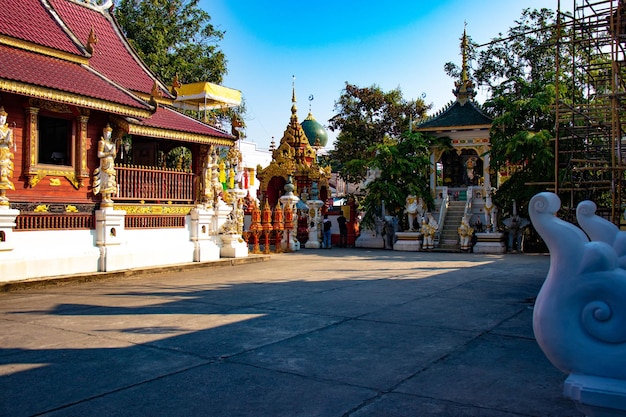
(49, 105)
(154, 209)
(37, 174)
(155, 132)
(70, 98)
(44, 50)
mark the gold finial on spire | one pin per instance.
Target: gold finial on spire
(294, 109)
(464, 52)
(464, 88)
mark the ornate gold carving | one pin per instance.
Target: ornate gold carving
(71, 209)
(82, 171)
(55, 182)
(49, 105)
(70, 98)
(40, 173)
(42, 208)
(154, 209)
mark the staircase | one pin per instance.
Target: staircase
(449, 237)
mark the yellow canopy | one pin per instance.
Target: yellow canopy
(204, 96)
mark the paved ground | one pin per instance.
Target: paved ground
(330, 333)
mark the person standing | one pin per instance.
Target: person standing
(327, 233)
(343, 231)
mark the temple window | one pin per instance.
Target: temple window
(55, 141)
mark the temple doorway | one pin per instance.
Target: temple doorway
(461, 170)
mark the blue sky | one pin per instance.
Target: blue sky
(324, 44)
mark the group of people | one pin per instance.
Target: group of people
(327, 232)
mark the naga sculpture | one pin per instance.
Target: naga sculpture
(579, 317)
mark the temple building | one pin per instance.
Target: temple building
(467, 127)
(296, 157)
(99, 166)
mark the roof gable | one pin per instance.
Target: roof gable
(32, 21)
(112, 55)
(457, 115)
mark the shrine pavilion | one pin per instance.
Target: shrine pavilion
(68, 77)
(460, 178)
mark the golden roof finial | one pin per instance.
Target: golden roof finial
(91, 40)
(464, 90)
(464, 52)
(294, 109)
(155, 93)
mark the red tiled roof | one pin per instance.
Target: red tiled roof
(30, 21)
(111, 55)
(166, 118)
(32, 68)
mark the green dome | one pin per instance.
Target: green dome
(314, 131)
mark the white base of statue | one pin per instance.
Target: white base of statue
(597, 396)
(490, 243)
(408, 241)
(233, 246)
(313, 242)
(7, 223)
(368, 239)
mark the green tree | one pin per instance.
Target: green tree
(173, 37)
(404, 168)
(367, 117)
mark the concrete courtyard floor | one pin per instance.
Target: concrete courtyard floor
(329, 333)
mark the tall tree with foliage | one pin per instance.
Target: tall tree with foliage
(174, 37)
(519, 70)
(403, 167)
(375, 134)
(367, 117)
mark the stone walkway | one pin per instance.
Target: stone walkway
(329, 333)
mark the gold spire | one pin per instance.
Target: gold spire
(464, 88)
(464, 51)
(294, 108)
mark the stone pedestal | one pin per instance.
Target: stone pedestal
(490, 243)
(597, 396)
(233, 246)
(408, 241)
(370, 239)
(7, 223)
(315, 218)
(109, 226)
(109, 233)
(203, 236)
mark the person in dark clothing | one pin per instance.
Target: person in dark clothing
(326, 232)
(343, 231)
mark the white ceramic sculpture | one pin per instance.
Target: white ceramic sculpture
(579, 317)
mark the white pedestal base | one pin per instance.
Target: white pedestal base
(369, 240)
(490, 243)
(597, 396)
(408, 241)
(233, 246)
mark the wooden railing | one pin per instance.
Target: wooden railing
(50, 221)
(136, 183)
(132, 221)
